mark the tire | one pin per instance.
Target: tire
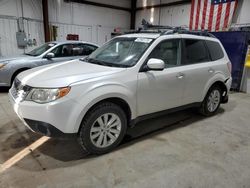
(212, 101)
(94, 124)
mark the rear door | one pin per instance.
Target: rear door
(197, 69)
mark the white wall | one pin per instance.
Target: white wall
(243, 16)
(141, 3)
(32, 8)
(179, 15)
(101, 21)
(91, 23)
(10, 11)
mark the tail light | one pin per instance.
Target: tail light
(229, 66)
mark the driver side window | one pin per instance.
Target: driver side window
(64, 50)
(168, 51)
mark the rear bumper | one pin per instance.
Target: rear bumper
(225, 99)
(4, 84)
(228, 84)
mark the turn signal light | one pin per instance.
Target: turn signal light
(63, 91)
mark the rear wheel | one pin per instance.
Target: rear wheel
(103, 128)
(212, 101)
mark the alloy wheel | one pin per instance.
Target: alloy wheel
(105, 130)
(213, 100)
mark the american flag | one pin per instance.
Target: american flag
(212, 15)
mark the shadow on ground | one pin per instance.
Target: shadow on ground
(60, 153)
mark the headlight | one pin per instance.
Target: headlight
(2, 65)
(41, 95)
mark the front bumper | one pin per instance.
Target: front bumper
(46, 129)
(5, 78)
(52, 119)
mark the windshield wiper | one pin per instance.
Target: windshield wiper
(117, 65)
(104, 63)
(95, 61)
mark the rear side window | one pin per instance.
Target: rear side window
(83, 49)
(88, 49)
(195, 51)
(215, 50)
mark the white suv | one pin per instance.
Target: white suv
(130, 78)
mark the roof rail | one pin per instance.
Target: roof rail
(168, 30)
(204, 33)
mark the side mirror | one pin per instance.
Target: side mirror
(50, 55)
(155, 64)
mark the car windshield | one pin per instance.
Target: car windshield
(120, 52)
(41, 49)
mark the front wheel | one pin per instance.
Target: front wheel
(103, 128)
(212, 101)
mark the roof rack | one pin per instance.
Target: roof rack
(204, 33)
(168, 30)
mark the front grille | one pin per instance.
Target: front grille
(18, 90)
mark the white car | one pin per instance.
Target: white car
(130, 78)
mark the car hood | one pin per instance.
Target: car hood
(15, 58)
(64, 74)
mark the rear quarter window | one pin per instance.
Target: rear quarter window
(215, 50)
(195, 51)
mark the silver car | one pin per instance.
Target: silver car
(52, 52)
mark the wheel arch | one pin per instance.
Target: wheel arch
(221, 84)
(16, 72)
(119, 101)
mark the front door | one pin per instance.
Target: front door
(161, 90)
(64, 52)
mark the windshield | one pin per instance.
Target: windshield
(120, 52)
(40, 50)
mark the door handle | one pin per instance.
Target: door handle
(180, 76)
(211, 70)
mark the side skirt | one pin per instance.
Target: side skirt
(133, 122)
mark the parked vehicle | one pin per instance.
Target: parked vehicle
(130, 78)
(52, 52)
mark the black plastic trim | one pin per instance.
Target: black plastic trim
(98, 4)
(46, 129)
(225, 99)
(133, 122)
